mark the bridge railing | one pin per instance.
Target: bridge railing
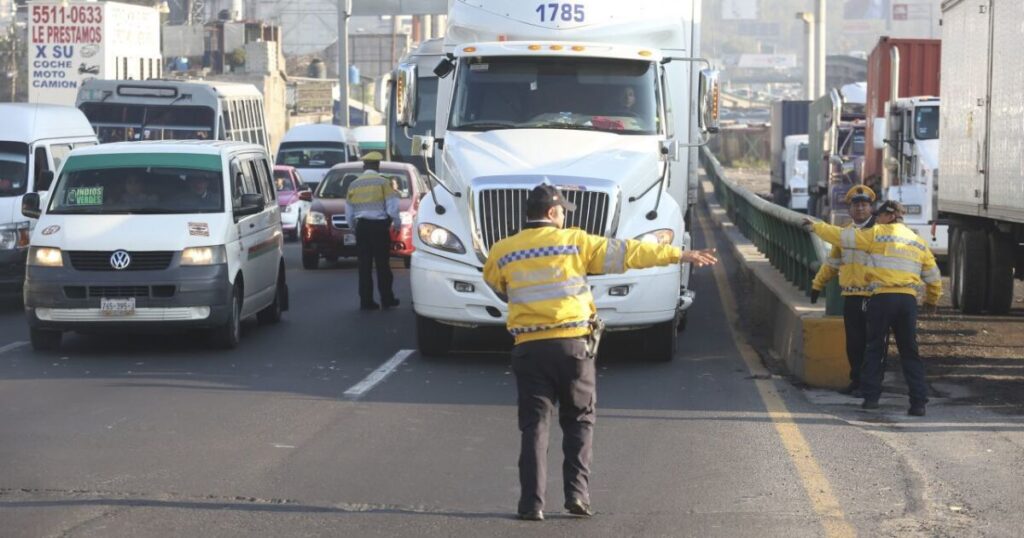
(775, 230)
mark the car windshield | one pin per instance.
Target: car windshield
(335, 185)
(138, 190)
(311, 157)
(283, 181)
(13, 168)
(926, 123)
(595, 94)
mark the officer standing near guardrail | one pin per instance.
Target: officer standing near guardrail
(901, 266)
(542, 273)
(373, 210)
(851, 265)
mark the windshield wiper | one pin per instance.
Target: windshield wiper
(484, 126)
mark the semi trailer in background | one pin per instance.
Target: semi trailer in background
(788, 118)
(836, 157)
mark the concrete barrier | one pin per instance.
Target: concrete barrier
(798, 334)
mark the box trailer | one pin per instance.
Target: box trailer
(788, 118)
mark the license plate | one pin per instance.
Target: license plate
(117, 307)
(349, 240)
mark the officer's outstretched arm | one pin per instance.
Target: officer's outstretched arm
(833, 235)
(611, 256)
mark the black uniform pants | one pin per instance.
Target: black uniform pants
(373, 246)
(549, 372)
(896, 311)
(855, 323)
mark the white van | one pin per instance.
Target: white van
(34, 141)
(148, 235)
(314, 149)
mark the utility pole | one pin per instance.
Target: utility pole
(344, 12)
(810, 81)
(819, 58)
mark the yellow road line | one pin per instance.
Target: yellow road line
(811, 475)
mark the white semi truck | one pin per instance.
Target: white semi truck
(605, 100)
(981, 192)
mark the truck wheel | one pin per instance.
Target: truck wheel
(228, 335)
(778, 195)
(45, 340)
(1001, 261)
(661, 341)
(954, 274)
(432, 338)
(812, 205)
(272, 314)
(972, 269)
(310, 260)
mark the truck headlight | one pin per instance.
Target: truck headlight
(203, 256)
(440, 238)
(316, 218)
(45, 257)
(14, 235)
(663, 236)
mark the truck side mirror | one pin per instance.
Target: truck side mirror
(879, 133)
(30, 205)
(709, 94)
(423, 146)
(44, 180)
(444, 67)
(405, 95)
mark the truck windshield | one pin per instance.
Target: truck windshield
(13, 168)
(801, 152)
(596, 94)
(926, 123)
(144, 190)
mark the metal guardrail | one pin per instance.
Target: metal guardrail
(776, 231)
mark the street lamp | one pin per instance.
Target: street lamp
(809, 58)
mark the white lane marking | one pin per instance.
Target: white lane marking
(12, 346)
(279, 445)
(378, 375)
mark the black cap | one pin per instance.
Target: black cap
(543, 197)
(890, 206)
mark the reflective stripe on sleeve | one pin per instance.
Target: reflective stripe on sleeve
(932, 276)
(615, 257)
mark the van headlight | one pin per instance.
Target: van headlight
(45, 257)
(203, 256)
(663, 236)
(440, 238)
(14, 235)
(316, 218)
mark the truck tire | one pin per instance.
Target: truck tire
(661, 341)
(1001, 261)
(954, 275)
(972, 268)
(310, 261)
(45, 340)
(812, 206)
(432, 338)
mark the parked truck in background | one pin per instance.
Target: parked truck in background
(902, 157)
(603, 100)
(788, 118)
(836, 156)
(981, 192)
(795, 170)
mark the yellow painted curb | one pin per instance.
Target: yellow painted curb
(825, 363)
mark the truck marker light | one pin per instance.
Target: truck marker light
(646, 53)
(556, 47)
(469, 49)
(534, 47)
(579, 48)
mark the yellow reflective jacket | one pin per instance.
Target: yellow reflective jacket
(850, 264)
(371, 197)
(900, 261)
(542, 272)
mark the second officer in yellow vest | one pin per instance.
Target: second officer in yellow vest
(372, 209)
(542, 273)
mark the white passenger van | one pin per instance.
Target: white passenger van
(151, 235)
(313, 149)
(34, 141)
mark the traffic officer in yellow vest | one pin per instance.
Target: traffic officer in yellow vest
(849, 263)
(902, 265)
(372, 209)
(542, 273)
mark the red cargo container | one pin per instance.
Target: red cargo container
(919, 76)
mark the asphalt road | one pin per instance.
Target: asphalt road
(161, 436)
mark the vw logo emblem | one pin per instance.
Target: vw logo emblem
(120, 260)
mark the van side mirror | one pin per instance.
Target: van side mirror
(709, 98)
(405, 95)
(44, 180)
(251, 204)
(30, 205)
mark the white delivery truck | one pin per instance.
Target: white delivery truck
(605, 100)
(795, 169)
(981, 193)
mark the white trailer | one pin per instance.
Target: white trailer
(603, 99)
(981, 192)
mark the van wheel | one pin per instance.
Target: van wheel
(972, 270)
(310, 260)
(272, 314)
(661, 341)
(1001, 252)
(432, 338)
(228, 335)
(45, 340)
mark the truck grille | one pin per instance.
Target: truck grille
(86, 260)
(501, 213)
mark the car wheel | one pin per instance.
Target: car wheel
(310, 260)
(228, 335)
(45, 340)
(272, 314)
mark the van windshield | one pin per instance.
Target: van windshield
(148, 190)
(311, 157)
(13, 168)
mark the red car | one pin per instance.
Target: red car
(293, 197)
(325, 231)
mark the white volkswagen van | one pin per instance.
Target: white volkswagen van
(147, 235)
(313, 149)
(34, 141)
